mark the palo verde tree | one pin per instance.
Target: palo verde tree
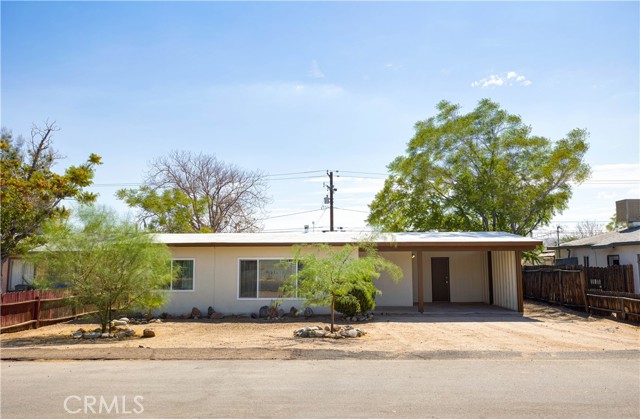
(196, 193)
(328, 273)
(31, 192)
(480, 171)
(106, 262)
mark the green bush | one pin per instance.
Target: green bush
(366, 298)
(359, 300)
(347, 305)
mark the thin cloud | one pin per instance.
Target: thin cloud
(315, 71)
(508, 79)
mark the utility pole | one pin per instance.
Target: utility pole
(331, 191)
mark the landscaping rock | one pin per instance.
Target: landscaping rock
(294, 312)
(254, 316)
(148, 333)
(77, 334)
(195, 313)
(120, 322)
(308, 312)
(324, 331)
(92, 335)
(216, 316)
(264, 312)
(280, 312)
(210, 311)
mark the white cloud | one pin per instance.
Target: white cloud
(509, 79)
(315, 71)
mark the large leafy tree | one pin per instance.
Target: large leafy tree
(330, 272)
(480, 171)
(185, 192)
(106, 262)
(31, 192)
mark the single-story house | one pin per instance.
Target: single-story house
(611, 248)
(240, 272)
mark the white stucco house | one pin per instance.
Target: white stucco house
(611, 248)
(239, 272)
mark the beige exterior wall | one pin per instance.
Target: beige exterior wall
(396, 294)
(216, 280)
(629, 255)
(467, 273)
(505, 290)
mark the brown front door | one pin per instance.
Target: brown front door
(440, 279)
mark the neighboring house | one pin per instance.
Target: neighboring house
(613, 248)
(238, 273)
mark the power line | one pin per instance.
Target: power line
(353, 210)
(288, 215)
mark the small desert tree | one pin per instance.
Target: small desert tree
(106, 262)
(327, 273)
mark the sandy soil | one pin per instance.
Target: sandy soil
(543, 328)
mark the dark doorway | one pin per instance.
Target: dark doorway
(440, 279)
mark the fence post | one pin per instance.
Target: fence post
(561, 289)
(37, 313)
(583, 283)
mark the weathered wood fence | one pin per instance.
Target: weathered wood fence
(602, 291)
(27, 309)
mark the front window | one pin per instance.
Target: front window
(21, 274)
(262, 278)
(185, 275)
(613, 260)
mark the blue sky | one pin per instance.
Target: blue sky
(295, 87)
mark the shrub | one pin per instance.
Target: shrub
(359, 300)
(347, 305)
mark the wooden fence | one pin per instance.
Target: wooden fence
(623, 304)
(27, 309)
(593, 290)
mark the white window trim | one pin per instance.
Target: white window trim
(258, 259)
(193, 289)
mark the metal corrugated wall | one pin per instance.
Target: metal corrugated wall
(505, 289)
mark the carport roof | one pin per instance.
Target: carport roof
(384, 241)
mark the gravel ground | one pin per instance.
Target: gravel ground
(543, 329)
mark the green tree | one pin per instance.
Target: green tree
(481, 171)
(31, 192)
(196, 193)
(329, 272)
(107, 262)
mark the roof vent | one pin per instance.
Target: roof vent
(628, 211)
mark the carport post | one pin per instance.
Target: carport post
(420, 281)
(519, 280)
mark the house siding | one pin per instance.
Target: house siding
(400, 293)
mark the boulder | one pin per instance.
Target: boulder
(120, 322)
(92, 335)
(353, 333)
(293, 312)
(264, 312)
(210, 311)
(216, 316)
(308, 312)
(77, 334)
(280, 312)
(148, 333)
(254, 315)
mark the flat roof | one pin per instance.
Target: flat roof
(386, 241)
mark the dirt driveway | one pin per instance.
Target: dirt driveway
(542, 330)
